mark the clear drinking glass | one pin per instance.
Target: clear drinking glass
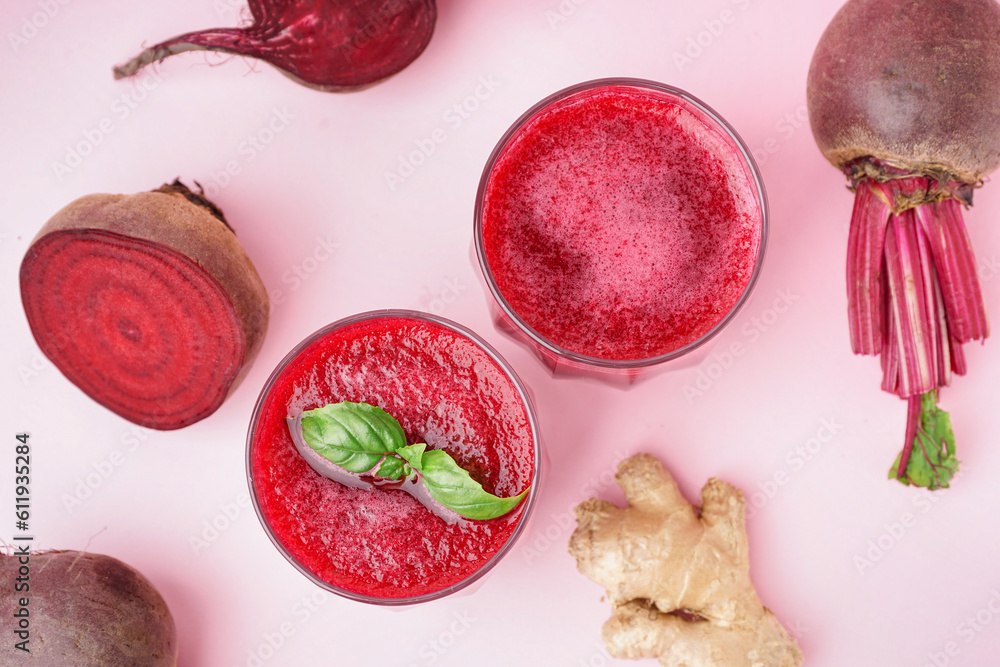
(550, 193)
(447, 387)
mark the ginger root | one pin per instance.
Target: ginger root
(678, 579)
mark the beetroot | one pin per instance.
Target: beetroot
(75, 609)
(904, 97)
(330, 45)
(146, 302)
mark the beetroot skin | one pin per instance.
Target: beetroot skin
(146, 302)
(904, 98)
(330, 45)
(915, 83)
(84, 610)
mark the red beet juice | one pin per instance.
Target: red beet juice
(447, 388)
(620, 223)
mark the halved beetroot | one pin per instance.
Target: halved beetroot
(330, 45)
(146, 302)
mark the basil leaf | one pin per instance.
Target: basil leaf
(454, 488)
(358, 437)
(393, 468)
(413, 454)
(354, 436)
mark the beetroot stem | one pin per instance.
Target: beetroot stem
(914, 297)
(952, 250)
(913, 413)
(864, 271)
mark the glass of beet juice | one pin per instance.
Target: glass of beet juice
(447, 388)
(619, 224)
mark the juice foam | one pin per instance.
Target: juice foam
(445, 391)
(621, 223)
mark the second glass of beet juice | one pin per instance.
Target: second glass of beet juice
(447, 388)
(619, 225)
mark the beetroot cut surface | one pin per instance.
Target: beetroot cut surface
(146, 302)
(330, 45)
(903, 98)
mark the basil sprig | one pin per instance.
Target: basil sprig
(359, 438)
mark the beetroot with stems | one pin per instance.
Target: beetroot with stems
(330, 45)
(82, 610)
(146, 302)
(904, 98)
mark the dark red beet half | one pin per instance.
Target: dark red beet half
(82, 610)
(904, 98)
(146, 302)
(330, 45)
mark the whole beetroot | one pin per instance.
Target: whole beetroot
(912, 83)
(904, 98)
(82, 610)
(146, 302)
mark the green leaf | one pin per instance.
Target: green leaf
(413, 454)
(393, 468)
(358, 437)
(354, 436)
(932, 463)
(454, 488)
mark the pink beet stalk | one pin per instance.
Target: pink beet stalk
(330, 45)
(913, 292)
(903, 98)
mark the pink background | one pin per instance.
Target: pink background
(330, 238)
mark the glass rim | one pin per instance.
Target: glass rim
(600, 362)
(505, 367)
